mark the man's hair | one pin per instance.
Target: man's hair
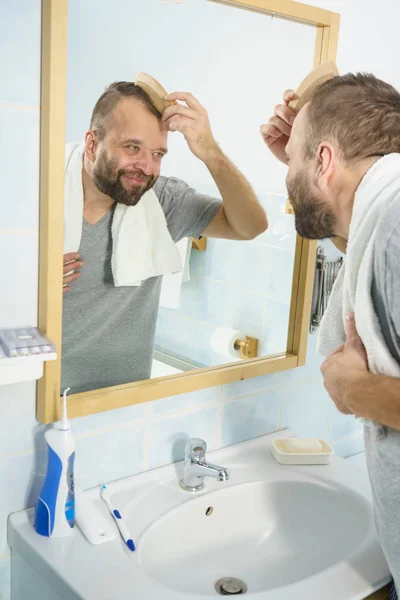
(109, 100)
(357, 111)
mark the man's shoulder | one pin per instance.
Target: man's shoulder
(166, 187)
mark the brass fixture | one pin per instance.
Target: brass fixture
(248, 347)
(199, 244)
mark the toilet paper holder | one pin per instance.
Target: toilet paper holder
(248, 347)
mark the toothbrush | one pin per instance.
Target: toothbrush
(118, 518)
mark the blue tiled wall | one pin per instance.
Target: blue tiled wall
(242, 285)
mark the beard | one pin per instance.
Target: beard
(108, 181)
(313, 219)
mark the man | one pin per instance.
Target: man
(330, 147)
(108, 331)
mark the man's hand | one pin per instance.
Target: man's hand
(277, 131)
(71, 263)
(344, 366)
(192, 121)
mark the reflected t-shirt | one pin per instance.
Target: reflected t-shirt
(108, 331)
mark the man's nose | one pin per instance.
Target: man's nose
(144, 162)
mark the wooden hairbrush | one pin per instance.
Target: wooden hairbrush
(154, 90)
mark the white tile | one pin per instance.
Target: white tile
(168, 435)
(185, 401)
(18, 426)
(5, 579)
(108, 419)
(19, 279)
(20, 40)
(306, 409)
(109, 455)
(349, 446)
(19, 173)
(249, 417)
(20, 483)
(252, 386)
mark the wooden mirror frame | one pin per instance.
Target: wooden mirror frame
(52, 148)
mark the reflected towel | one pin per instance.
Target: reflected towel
(172, 283)
(142, 244)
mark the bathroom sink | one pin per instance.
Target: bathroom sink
(272, 532)
(268, 534)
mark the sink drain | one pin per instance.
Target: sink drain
(230, 586)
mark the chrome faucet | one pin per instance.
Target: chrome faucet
(195, 467)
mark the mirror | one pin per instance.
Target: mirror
(227, 58)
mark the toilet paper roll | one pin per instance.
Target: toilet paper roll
(223, 341)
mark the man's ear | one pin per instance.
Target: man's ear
(326, 160)
(91, 144)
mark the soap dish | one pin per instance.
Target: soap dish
(280, 453)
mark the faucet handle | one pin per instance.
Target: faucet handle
(196, 447)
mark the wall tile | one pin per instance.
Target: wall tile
(108, 419)
(19, 276)
(21, 480)
(20, 27)
(19, 173)
(276, 323)
(185, 401)
(306, 409)
(252, 386)
(212, 299)
(310, 369)
(343, 425)
(167, 436)
(158, 341)
(5, 579)
(178, 335)
(349, 446)
(202, 352)
(251, 267)
(109, 455)
(18, 425)
(216, 261)
(250, 417)
(280, 274)
(245, 312)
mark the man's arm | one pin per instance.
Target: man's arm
(241, 217)
(355, 390)
(375, 397)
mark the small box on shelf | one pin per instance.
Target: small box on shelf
(22, 354)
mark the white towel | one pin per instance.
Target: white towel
(352, 290)
(142, 244)
(171, 288)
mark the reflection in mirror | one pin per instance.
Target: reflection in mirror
(140, 300)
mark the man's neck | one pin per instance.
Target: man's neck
(95, 203)
(346, 195)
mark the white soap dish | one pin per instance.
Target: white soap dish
(301, 451)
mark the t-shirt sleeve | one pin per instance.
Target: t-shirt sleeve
(386, 281)
(187, 211)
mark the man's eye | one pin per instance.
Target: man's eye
(134, 148)
(158, 155)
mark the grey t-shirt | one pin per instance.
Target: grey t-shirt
(108, 331)
(382, 444)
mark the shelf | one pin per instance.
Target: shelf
(23, 368)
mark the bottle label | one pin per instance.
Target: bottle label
(70, 504)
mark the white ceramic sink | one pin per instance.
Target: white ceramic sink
(268, 534)
(287, 532)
